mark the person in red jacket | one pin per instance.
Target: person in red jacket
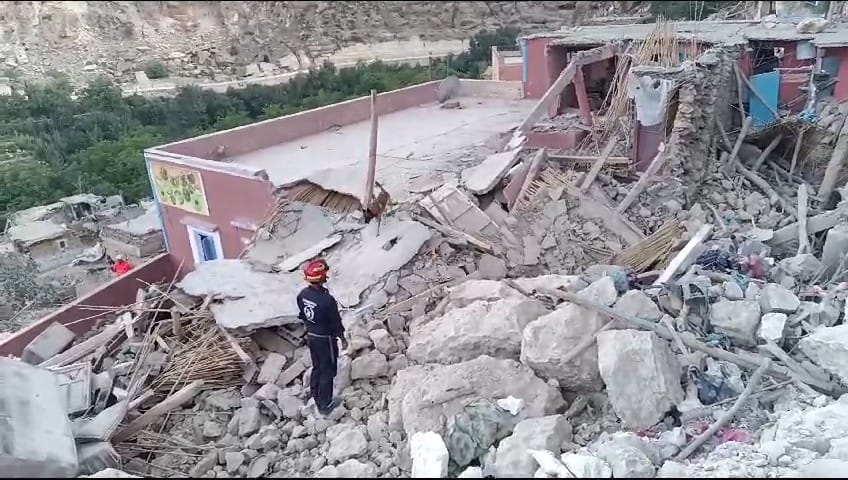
(121, 265)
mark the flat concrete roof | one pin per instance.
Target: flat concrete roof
(726, 32)
(411, 142)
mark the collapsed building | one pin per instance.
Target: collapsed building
(629, 264)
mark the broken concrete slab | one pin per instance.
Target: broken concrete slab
(37, 438)
(548, 341)
(101, 426)
(252, 299)
(362, 264)
(462, 213)
(738, 319)
(52, 341)
(423, 397)
(642, 376)
(827, 347)
(776, 298)
(481, 328)
(513, 458)
(290, 373)
(482, 178)
(271, 368)
(294, 261)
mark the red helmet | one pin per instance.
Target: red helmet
(316, 271)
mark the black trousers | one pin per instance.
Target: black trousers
(325, 355)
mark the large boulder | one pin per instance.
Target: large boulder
(513, 458)
(775, 298)
(827, 347)
(423, 397)
(481, 328)
(548, 340)
(638, 304)
(642, 376)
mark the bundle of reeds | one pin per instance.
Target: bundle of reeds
(653, 250)
(308, 192)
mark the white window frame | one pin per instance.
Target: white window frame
(197, 250)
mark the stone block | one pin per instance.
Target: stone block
(772, 327)
(52, 341)
(776, 298)
(638, 304)
(289, 374)
(371, 365)
(601, 291)
(738, 319)
(641, 374)
(827, 347)
(513, 458)
(271, 368)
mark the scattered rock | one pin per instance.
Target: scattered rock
(637, 303)
(491, 268)
(371, 365)
(429, 455)
(601, 291)
(568, 283)
(348, 469)
(258, 467)
(233, 460)
(383, 341)
(775, 298)
(347, 443)
(544, 352)
(271, 369)
(732, 291)
(513, 458)
(422, 397)
(586, 466)
(290, 405)
(772, 327)
(481, 328)
(738, 319)
(827, 347)
(641, 374)
(471, 291)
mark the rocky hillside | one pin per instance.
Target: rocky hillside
(218, 39)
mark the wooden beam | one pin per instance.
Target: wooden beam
(834, 166)
(565, 77)
(770, 148)
(174, 401)
(731, 161)
(599, 163)
(647, 175)
(803, 238)
(684, 256)
(816, 224)
(582, 96)
(584, 158)
(372, 155)
(532, 173)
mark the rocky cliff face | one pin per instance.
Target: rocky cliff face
(216, 39)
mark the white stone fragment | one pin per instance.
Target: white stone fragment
(827, 347)
(601, 291)
(549, 464)
(772, 327)
(775, 298)
(511, 404)
(429, 455)
(639, 304)
(738, 320)
(586, 466)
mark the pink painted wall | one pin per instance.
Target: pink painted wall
(510, 73)
(229, 197)
(538, 80)
(249, 138)
(840, 90)
(79, 319)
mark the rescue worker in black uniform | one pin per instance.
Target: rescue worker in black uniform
(320, 314)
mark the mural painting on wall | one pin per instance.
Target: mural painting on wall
(180, 188)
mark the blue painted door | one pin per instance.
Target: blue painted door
(768, 86)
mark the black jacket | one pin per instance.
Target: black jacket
(319, 312)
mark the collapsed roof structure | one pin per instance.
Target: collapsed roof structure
(587, 274)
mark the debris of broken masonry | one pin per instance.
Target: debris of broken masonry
(673, 311)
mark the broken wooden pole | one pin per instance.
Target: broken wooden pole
(816, 224)
(599, 163)
(647, 175)
(532, 173)
(755, 92)
(372, 155)
(731, 161)
(765, 187)
(834, 166)
(582, 96)
(796, 151)
(803, 238)
(753, 382)
(565, 77)
(684, 256)
(174, 401)
(770, 148)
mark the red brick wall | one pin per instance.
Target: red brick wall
(79, 319)
(249, 138)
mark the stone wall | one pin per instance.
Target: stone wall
(707, 90)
